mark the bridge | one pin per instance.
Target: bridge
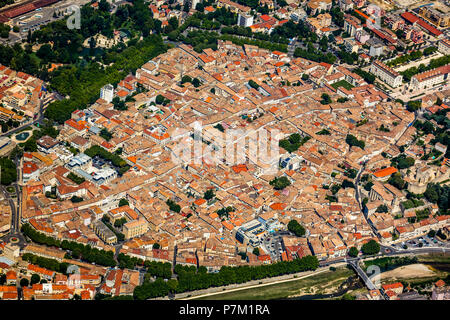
(367, 281)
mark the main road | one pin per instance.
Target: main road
(14, 231)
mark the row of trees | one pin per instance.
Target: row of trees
(386, 262)
(189, 278)
(434, 63)
(50, 264)
(77, 250)
(415, 55)
(159, 269)
(128, 262)
(315, 55)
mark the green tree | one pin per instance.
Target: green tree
(353, 141)
(24, 282)
(371, 247)
(185, 79)
(325, 99)
(280, 183)
(8, 170)
(196, 83)
(347, 184)
(348, 296)
(209, 194)
(35, 278)
(173, 206)
(253, 84)
(414, 105)
(353, 252)
(397, 181)
(296, 228)
(382, 208)
(368, 186)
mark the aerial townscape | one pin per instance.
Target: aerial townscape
(221, 150)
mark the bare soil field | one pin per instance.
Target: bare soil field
(417, 270)
(411, 3)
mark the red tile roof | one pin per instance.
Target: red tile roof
(385, 172)
(413, 19)
(391, 286)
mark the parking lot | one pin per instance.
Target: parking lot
(420, 242)
(272, 244)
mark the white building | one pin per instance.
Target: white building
(351, 25)
(362, 36)
(345, 5)
(298, 14)
(245, 20)
(386, 74)
(431, 78)
(107, 92)
(350, 45)
(444, 46)
(81, 160)
(376, 47)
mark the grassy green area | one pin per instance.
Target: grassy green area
(320, 282)
(387, 262)
(342, 83)
(25, 129)
(434, 257)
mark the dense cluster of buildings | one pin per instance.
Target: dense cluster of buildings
(72, 192)
(148, 135)
(20, 95)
